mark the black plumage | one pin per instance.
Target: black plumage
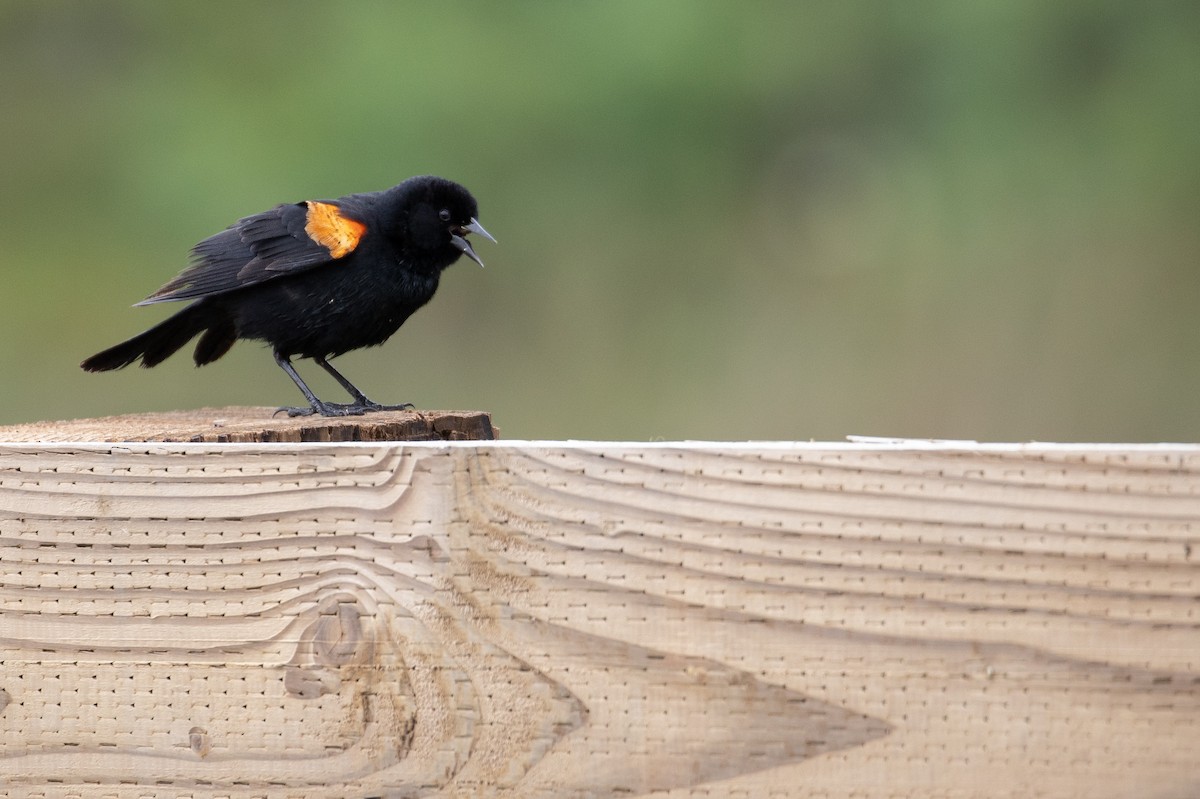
(313, 279)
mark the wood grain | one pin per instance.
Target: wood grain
(250, 425)
(516, 620)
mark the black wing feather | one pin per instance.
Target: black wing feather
(255, 249)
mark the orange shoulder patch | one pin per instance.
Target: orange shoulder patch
(326, 226)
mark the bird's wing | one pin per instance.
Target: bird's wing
(285, 240)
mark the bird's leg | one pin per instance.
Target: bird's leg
(360, 399)
(317, 406)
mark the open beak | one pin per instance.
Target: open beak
(457, 238)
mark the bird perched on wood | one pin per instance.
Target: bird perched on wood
(313, 279)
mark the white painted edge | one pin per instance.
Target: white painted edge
(852, 444)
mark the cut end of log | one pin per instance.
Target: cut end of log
(259, 425)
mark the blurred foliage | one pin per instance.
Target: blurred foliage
(716, 220)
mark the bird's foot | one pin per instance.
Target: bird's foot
(340, 409)
(371, 405)
(324, 409)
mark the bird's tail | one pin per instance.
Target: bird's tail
(164, 339)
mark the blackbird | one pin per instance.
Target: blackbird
(313, 279)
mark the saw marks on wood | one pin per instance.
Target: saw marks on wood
(613, 621)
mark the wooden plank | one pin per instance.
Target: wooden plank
(599, 620)
(260, 425)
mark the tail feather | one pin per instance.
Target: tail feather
(215, 342)
(164, 339)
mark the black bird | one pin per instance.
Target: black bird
(314, 279)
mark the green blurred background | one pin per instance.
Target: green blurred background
(717, 220)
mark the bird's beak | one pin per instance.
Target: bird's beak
(458, 240)
(475, 227)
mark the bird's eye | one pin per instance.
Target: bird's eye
(444, 214)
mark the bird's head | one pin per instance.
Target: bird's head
(436, 216)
